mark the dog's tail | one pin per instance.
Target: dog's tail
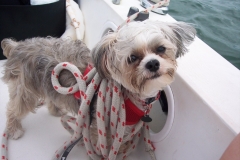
(7, 46)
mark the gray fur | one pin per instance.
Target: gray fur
(101, 52)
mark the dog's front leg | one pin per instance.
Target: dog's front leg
(21, 102)
(54, 110)
(14, 126)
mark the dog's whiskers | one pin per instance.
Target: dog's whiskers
(170, 72)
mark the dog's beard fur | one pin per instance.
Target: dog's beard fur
(30, 64)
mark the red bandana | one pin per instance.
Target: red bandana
(133, 113)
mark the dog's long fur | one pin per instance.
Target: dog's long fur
(126, 56)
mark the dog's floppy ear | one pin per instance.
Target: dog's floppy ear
(103, 54)
(182, 35)
(7, 46)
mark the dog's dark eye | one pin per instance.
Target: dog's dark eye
(132, 59)
(161, 49)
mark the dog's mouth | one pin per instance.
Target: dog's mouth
(170, 72)
(154, 76)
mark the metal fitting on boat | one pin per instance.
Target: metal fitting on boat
(160, 10)
(141, 16)
(117, 2)
(132, 11)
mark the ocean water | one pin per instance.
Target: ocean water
(217, 23)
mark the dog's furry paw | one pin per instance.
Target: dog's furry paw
(17, 134)
(40, 102)
(56, 111)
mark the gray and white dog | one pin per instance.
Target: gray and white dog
(28, 75)
(141, 56)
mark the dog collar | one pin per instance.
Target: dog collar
(134, 114)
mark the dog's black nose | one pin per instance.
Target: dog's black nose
(153, 65)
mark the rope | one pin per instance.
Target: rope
(4, 145)
(74, 23)
(110, 114)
